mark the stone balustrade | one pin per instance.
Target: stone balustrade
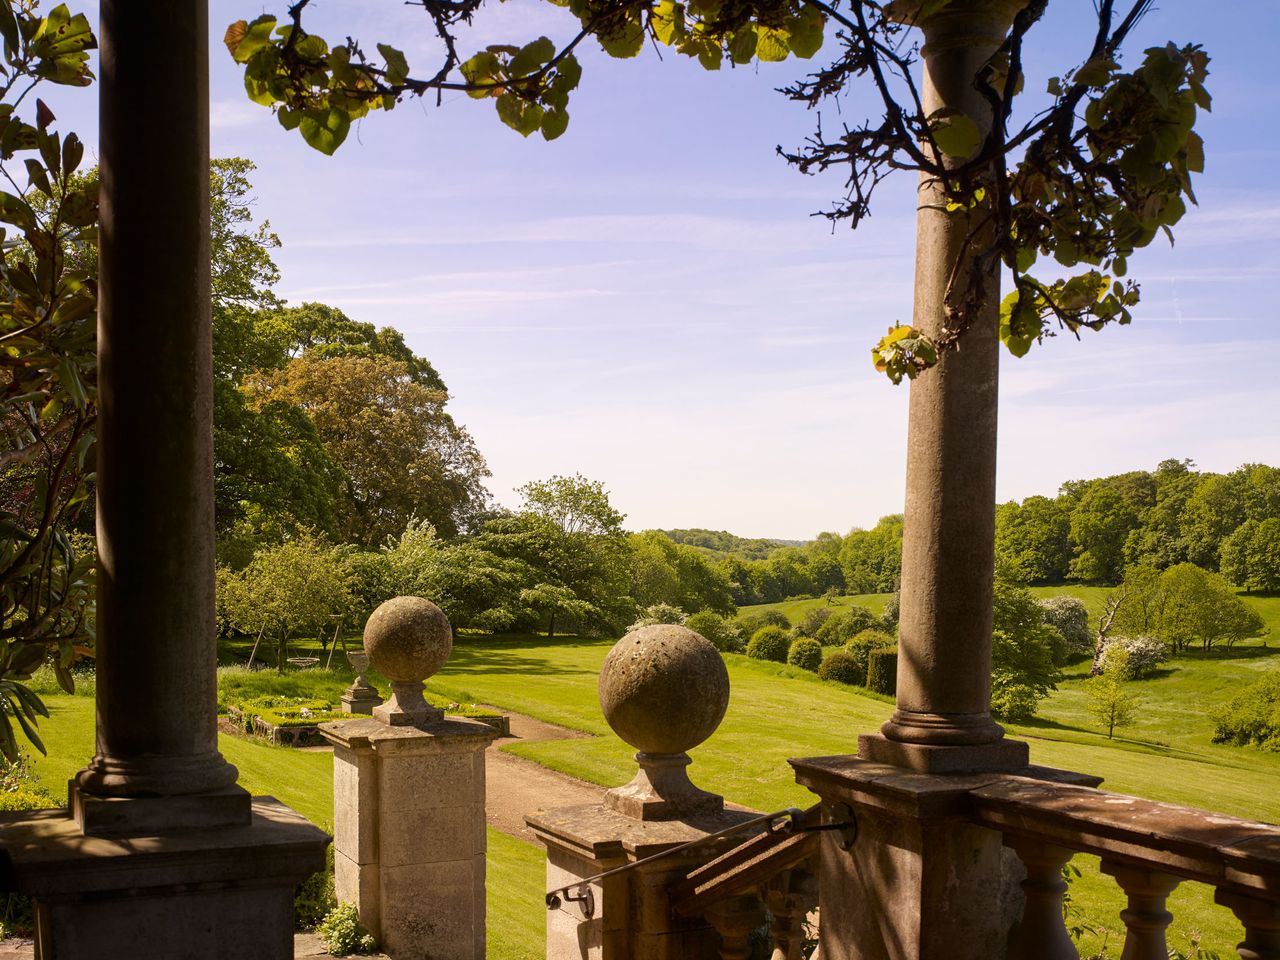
(1147, 847)
(1041, 818)
(771, 878)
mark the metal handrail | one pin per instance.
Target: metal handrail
(786, 822)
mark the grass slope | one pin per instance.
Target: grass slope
(778, 712)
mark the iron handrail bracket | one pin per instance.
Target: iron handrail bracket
(781, 822)
(788, 821)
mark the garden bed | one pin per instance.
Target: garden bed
(295, 721)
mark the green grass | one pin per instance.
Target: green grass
(775, 712)
(795, 609)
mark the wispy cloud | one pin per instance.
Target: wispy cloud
(224, 114)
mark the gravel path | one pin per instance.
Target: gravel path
(515, 786)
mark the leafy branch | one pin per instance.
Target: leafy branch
(1086, 181)
(47, 368)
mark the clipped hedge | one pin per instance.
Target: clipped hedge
(842, 668)
(284, 712)
(882, 671)
(724, 636)
(806, 654)
(860, 646)
(769, 643)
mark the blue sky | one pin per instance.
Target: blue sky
(648, 302)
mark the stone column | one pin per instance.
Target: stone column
(943, 720)
(664, 690)
(408, 799)
(156, 647)
(163, 854)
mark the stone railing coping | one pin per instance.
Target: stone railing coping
(1066, 809)
(1190, 843)
(909, 793)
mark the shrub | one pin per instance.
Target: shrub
(724, 636)
(659, 613)
(882, 671)
(315, 899)
(1014, 701)
(842, 668)
(1022, 647)
(812, 621)
(20, 790)
(889, 617)
(843, 626)
(1069, 617)
(343, 933)
(749, 623)
(805, 654)
(860, 646)
(1252, 716)
(769, 643)
(1143, 655)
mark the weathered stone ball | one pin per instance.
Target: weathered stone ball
(664, 688)
(408, 639)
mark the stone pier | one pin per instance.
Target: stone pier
(664, 690)
(408, 797)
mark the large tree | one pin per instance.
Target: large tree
(401, 453)
(1033, 539)
(1251, 555)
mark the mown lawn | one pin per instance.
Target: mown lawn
(778, 712)
(775, 712)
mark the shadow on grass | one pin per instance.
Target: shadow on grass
(494, 656)
(1239, 652)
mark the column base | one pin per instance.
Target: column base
(1002, 756)
(103, 816)
(201, 895)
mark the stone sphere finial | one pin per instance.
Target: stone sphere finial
(407, 639)
(664, 689)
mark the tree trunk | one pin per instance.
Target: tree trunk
(551, 626)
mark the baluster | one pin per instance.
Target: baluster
(1261, 921)
(1146, 917)
(734, 919)
(1042, 934)
(789, 905)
